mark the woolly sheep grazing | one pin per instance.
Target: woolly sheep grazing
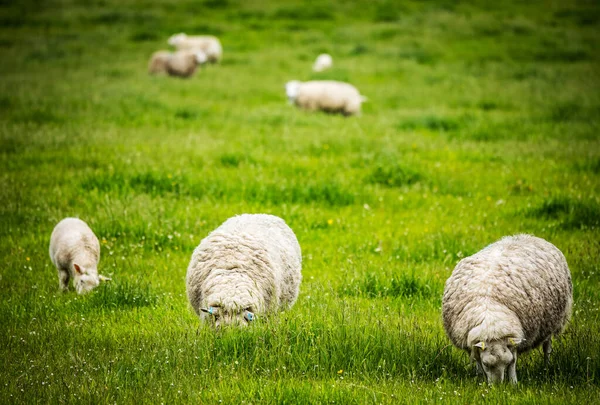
(326, 95)
(75, 251)
(184, 63)
(323, 62)
(158, 62)
(507, 299)
(208, 44)
(249, 265)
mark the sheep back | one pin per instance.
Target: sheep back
(207, 43)
(250, 258)
(73, 239)
(182, 64)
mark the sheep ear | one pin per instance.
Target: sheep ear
(481, 345)
(104, 278)
(514, 341)
(77, 268)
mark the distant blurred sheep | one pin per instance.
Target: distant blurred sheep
(208, 44)
(249, 265)
(326, 95)
(506, 299)
(184, 63)
(75, 251)
(323, 62)
(158, 62)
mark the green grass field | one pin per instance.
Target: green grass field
(483, 120)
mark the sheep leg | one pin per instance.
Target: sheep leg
(512, 370)
(547, 350)
(63, 279)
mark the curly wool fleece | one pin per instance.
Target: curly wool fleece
(518, 287)
(252, 262)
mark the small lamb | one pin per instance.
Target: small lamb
(249, 265)
(326, 95)
(324, 61)
(507, 299)
(75, 251)
(184, 63)
(208, 44)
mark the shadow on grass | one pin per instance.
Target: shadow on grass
(570, 213)
(321, 191)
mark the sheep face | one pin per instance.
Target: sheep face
(219, 316)
(291, 89)
(85, 279)
(496, 358)
(200, 57)
(176, 39)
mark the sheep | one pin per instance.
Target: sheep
(184, 63)
(323, 62)
(158, 62)
(248, 266)
(209, 44)
(326, 95)
(507, 299)
(75, 252)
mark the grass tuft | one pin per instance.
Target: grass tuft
(119, 295)
(375, 285)
(432, 123)
(393, 174)
(569, 212)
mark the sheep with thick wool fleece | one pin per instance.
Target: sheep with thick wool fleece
(325, 95)
(324, 61)
(508, 298)
(250, 265)
(184, 63)
(75, 252)
(208, 44)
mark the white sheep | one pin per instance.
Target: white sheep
(324, 61)
(249, 265)
(326, 95)
(507, 299)
(75, 251)
(208, 44)
(184, 63)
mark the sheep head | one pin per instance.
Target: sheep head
(201, 57)
(220, 316)
(496, 357)
(291, 89)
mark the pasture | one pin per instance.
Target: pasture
(483, 120)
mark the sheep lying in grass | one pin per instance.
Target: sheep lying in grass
(506, 299)
(249, 265)
(323, 62)
(158, 62)
(184, 63)
(75, 251)
(208, 44)
(326, 95)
